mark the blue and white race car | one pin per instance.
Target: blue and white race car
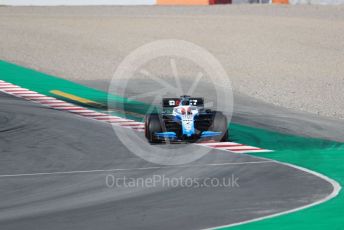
(185, 119)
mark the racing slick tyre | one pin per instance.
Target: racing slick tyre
(220, 125)
(153, 124)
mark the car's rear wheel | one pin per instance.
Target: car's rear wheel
(153, 124)
(220, 125)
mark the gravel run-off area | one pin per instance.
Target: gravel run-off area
(291, 56)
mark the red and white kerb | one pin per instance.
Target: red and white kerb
(57, 104)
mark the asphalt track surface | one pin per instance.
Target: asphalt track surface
(35, 140)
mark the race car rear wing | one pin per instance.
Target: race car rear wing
(173, 102)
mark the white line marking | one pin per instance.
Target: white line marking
(336, 189)
(134, 169)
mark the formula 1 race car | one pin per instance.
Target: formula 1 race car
(185, 119)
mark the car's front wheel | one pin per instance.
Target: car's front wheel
(153, 124)
(220, 125)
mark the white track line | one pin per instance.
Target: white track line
(336, 189)
(134, 169)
